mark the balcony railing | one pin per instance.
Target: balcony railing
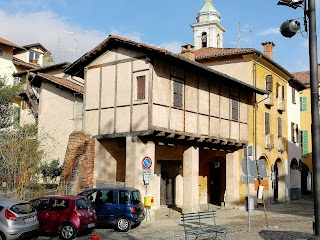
(269, 99)
(281, 144)
(269, 141)
(281, 105)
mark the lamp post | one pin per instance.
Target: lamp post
(314, 87)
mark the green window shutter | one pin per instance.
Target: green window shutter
(305, 144)
(303, 104)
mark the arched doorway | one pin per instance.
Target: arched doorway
(295, 181)
(305, 179)
(279, 184)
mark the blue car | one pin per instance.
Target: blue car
(121, 206)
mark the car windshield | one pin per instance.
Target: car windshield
(22, 208)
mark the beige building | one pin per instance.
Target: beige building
(53, 101)
(142, 101)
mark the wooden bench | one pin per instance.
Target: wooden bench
(197, 224)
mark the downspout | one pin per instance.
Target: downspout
(255, 107)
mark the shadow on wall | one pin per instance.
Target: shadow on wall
(285, 235)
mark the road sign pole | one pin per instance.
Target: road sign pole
(248, 174)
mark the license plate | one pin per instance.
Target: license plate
(91, 225)
(29, 220)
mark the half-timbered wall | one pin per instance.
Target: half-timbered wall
(125, 93)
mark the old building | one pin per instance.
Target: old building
(52, 100)
(274, 121)
(190, 120)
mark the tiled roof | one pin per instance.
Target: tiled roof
(8, 43)
(203, 53)
(77, 67)
(62, 82)
(40, 69)
(303, 77)
(18, 62)
(35, 45)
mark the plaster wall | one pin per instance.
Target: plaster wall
(7, 67)
(56, 119)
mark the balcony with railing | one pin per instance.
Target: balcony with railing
(281, 144)
(281, 105)
(269, 99)
(269, 141)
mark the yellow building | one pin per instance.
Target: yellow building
(305, 132)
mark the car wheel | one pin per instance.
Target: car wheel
(123, 224)
(2, 237)
(67, 231)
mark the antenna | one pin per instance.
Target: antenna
(75, 48)
(58, 56)
(247, 37)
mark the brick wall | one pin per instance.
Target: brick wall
(78, 167)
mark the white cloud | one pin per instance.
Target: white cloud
(269, 31)
(174, 46)
(51, 31)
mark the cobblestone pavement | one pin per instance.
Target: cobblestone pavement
(284, 221)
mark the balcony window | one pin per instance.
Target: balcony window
(33, 57)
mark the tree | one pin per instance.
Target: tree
(7, 94)
(51, 170)
(20, 158)
(20, 153)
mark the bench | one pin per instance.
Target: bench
(197, 224)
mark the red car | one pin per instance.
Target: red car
(64, 215)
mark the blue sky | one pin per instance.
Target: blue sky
(69, 28)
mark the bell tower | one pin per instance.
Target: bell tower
(207, 31)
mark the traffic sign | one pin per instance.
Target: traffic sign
(146, 176)
(146, 163)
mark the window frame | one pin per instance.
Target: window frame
(176, 94)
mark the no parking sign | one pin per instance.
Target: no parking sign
(146, 163)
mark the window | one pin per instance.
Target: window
(82, 204)
(304, 143)
(294, 132)
(279, 127)
(234, 104)
(218, 40)
(33, 57)
(59, 204)
(141, 87)
(293, 95)
(1, 53)
(303, 104)
(267, 123)
(177, 93)
(204, 39)
(41, 204)
(124, 197)
(269, 82)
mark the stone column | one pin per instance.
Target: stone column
(191, 180)
(232, 179)
(135, 152)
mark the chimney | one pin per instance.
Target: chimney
(268, 49)
(188, 52)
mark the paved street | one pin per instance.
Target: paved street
(285, 221)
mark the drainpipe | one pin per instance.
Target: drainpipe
(255, 107)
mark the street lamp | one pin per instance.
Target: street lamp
(287, 31)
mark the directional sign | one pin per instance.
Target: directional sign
(146, 163)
